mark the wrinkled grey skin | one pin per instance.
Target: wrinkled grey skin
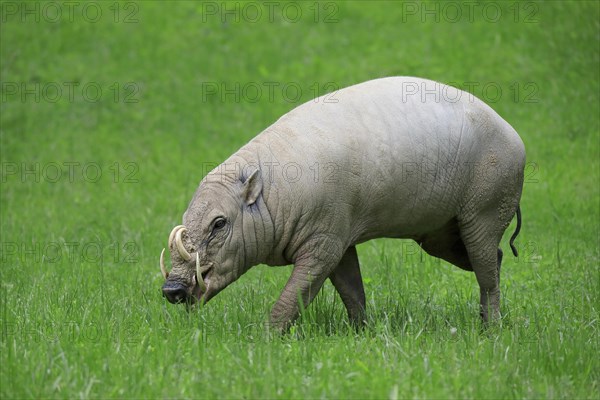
(395, 157)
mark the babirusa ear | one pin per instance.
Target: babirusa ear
(252, 188)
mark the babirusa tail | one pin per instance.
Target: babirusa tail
(517, 230)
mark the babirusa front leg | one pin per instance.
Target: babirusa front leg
(312, 267)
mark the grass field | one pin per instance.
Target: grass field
(111, 114)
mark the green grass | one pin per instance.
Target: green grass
(77, 325)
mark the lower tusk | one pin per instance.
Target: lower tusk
(199, 275)
(162, 265)
(180, 247)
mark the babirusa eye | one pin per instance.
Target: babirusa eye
(219, 223)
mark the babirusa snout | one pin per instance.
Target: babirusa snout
(176, 235)
(175, 292)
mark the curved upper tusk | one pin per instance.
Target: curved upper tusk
(173, 233)
(164, 271)
(199, 275)
(182, 251)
